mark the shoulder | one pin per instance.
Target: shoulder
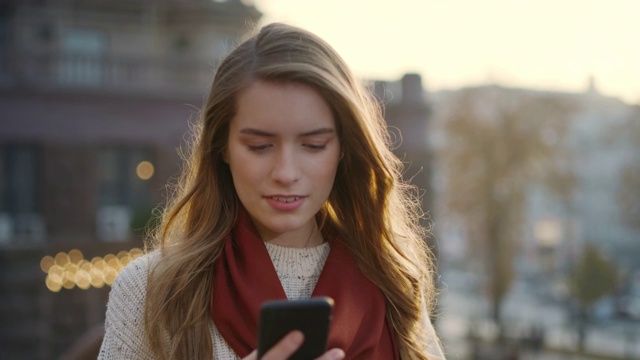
(130, 287)
(133, 278)
(432, 341)
(124, 326)
(127, 296)
(137, 271)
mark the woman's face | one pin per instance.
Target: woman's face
(283, 151)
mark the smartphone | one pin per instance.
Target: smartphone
(311, 316)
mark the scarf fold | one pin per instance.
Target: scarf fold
(245, 278)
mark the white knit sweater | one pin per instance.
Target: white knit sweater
(297, 268)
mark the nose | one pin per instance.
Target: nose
(285, 169)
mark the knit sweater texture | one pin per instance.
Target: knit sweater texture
(298, 270)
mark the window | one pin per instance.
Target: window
(4, 44)
(20, 218)
(124, 202)
(82, 61)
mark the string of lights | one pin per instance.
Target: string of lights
(70, 270)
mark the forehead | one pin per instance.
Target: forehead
(281, 106)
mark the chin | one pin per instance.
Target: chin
(285, 225)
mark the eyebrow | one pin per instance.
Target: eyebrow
(258, 132)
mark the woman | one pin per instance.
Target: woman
(290, 191)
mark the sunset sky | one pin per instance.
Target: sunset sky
(543, 44)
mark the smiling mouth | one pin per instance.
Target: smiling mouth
(285, 199)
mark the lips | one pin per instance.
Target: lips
(285, 199)
(285, 202)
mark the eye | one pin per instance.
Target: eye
(315, 147)
(258, 148)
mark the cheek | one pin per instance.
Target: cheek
(244, 182)
(237, 159)
(325, 172)
(248, 174)
(243, 172)
(240, 169)
(225, 155)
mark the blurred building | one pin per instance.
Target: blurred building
(555, 231)
(599, 151)
(96, 97)
(553, 234)
(407, 112)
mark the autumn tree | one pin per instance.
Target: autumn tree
(592, 277)
(499, 143)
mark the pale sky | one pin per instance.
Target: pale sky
(542, 44)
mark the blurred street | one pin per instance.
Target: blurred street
(463, 311)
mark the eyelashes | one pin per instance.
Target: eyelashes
(308, 147)
(315, 147)
(258, 148)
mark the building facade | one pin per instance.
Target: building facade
(96, 99)
(407, 111)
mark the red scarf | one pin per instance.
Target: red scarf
(245, 278)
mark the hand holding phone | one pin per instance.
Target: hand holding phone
(312, 317)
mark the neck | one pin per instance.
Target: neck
(298, 239)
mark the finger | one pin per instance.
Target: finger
(285, 347)
(333, 354)
(252, 356)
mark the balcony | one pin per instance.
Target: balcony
(148, 76)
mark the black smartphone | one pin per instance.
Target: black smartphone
(311, 316)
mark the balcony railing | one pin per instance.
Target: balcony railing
(144, 75)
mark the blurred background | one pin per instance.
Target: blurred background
(519, 119)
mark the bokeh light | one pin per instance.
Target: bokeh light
(75, 256)
(145, 170)
(46, 263)
(70, 270)
(62, 259)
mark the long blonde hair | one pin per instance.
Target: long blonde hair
(371, 210)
